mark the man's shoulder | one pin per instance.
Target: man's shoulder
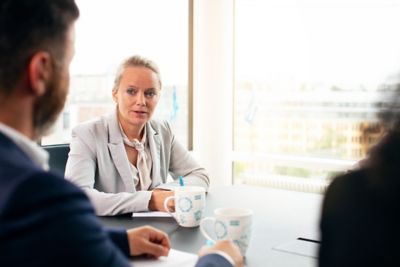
(15, 166)
(22, 180)
(351, 187)
(352, 179)
(24, 184)
(10, 153)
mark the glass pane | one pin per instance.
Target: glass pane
(307, 82)
(108, 32)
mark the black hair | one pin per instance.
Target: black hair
(383, 163)
(29, 26)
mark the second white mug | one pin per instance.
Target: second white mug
(230, 223)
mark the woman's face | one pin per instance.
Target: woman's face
(137, 95)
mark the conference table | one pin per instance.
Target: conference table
(285, 224)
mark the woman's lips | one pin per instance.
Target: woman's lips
(139, 112)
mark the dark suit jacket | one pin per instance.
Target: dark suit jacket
(360, 223)
(47, 221)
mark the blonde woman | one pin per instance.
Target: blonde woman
(122, 160)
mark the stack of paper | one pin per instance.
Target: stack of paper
(174, 259)
(151, 214)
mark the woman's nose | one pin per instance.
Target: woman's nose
(141, 100)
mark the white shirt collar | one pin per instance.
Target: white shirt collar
(32, 150)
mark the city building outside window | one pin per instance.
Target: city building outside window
(307, 83)
(107, 32)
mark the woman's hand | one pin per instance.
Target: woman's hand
(157, 200)
(148, 240)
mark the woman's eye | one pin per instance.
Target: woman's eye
(131, 91)
(150, 94)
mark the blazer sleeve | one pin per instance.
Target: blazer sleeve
(55, 223)
(213, 260)
(81, 170)
(183, 163)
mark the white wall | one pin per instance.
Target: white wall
(213, 87)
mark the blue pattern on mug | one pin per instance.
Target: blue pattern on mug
(244, 238)
(234, 223)
(197, 215)
(182, 219)
(220, 230)
(185, 204)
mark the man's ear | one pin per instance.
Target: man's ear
(40, 69)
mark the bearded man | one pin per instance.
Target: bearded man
(44, 219)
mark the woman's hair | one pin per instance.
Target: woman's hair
(136, 61)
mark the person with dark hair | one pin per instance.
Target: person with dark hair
(122, 160)
(44, 219)
(359, 221)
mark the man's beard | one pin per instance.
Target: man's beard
(48, 107)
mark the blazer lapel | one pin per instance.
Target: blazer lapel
(155, 150)
(118, 153)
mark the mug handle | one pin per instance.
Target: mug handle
(166, 205)
(202, 229)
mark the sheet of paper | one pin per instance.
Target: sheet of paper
(174, 259)
(151, 214)
(300, 247)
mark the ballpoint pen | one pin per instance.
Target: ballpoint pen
(181, 182)
(210, 243)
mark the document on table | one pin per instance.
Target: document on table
(175, 258)
(151, 214)
(300, 247)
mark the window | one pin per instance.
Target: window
(307, 78)
(108, 32)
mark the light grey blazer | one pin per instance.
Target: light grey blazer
(98, 163)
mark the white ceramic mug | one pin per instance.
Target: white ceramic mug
(190, 202)
(230, 223)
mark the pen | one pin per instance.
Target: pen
(181, 182)
(210, 243)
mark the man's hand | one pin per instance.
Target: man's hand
(226, 246)
(148, 240)
(157, 200)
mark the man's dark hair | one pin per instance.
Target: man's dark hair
(383, 162)
(29, 26)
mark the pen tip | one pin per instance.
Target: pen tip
(181, 183)
(209, 243)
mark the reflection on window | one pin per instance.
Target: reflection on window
(307, 86)
(107, 32)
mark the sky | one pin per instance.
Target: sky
(325, 40)
(333, 41)
(108, 31)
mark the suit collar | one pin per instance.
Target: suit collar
(30, 148)
(117, 151)
(114, 133)
(155, 149)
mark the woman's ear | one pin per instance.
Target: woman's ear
(115, 95)
(39, 72)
